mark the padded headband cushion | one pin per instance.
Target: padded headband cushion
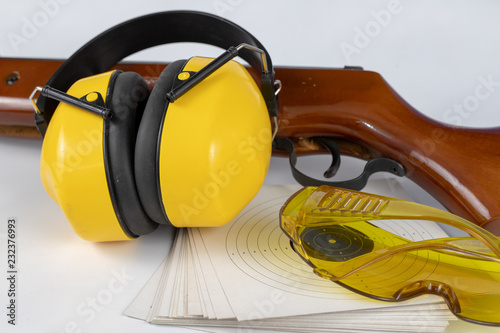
(128, 96)
(148, 141)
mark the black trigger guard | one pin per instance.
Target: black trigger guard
(375, 165)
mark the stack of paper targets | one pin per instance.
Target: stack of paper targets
(246, 275)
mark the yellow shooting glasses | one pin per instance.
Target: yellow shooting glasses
(330, 229)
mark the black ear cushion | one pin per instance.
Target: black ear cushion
(126, 100)
(148, 136)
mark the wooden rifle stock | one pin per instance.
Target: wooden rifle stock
(458, 166)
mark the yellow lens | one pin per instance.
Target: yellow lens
(331, 232)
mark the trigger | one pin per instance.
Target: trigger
(333, 148)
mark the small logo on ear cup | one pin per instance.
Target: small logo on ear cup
(95, 98)
(183, 76)
(92, 97)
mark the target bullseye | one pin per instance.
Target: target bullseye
(336, 243)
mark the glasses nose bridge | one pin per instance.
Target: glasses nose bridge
(430, 287)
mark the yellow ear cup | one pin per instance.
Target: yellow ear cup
(72, 166)
(215, 147)
(87, 162)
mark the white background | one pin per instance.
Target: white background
(433, 53)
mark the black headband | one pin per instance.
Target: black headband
(122, 40)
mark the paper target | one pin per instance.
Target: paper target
(258, 247)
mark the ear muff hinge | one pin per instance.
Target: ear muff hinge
(267, 87)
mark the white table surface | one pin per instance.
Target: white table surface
(433, 53)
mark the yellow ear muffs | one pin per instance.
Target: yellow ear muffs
(87, 162)
(196, 161)
(202, 158)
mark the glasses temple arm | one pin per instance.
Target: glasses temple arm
(394, 209)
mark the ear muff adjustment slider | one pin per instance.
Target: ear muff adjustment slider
(60, 96)
(267, 81)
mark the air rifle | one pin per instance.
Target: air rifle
(355, 109)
